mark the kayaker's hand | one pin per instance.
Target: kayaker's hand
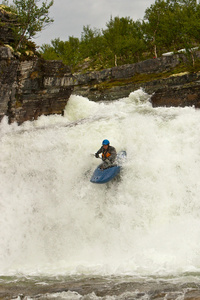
(96, 155)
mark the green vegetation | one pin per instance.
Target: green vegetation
(120, 43)
(29, 17)
(168, 25)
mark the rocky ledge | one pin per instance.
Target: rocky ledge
(37, 87)
(32, 88)
(180, 89)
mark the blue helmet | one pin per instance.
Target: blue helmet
(105, 142)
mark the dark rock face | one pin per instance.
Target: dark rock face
(150, 66)
(32, 88)
(35, 87)
(6, 23)
(8, 80)
(29, 88)
(87, 84)
(178, 91)
(158, 65)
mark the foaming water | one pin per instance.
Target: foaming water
(54, 221)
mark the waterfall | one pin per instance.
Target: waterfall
(54, 220)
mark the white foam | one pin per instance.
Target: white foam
(55, 221)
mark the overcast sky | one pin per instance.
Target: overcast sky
(71, 15)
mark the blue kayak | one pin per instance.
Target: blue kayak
(105, 175)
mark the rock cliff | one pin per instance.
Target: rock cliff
(120, 81)
(35, 87)
(31, 88)
(182, 89)
(7, 21)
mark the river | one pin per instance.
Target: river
(63, 237)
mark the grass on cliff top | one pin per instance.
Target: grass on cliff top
(7, 9)
(143, 78)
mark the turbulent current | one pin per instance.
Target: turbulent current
(55, 222)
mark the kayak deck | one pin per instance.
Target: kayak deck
(104, 175)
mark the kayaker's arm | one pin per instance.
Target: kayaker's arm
(98, 152)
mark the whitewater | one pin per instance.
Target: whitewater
(54, 221)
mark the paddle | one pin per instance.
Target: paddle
(94, 155)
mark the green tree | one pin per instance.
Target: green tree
(67, 51)
(168, 25)
(48, 52)
(32, 18)
(124, 39)
(154, 26)
(172, 24)
(91, 42)
(92, 46)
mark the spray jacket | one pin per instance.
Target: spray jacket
(109, 153)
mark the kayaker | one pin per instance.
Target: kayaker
(108, 154)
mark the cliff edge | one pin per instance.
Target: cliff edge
(31, 86)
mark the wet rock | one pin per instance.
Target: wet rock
(32, 88)
(182, 91)
(111, 287)
(178, 90)
(192, 295)
(7, 20)
(37, 87)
